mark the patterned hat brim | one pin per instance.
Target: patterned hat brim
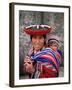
(37, 32)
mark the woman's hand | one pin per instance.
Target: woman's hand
(28, 66)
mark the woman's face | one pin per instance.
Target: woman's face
(37, 42)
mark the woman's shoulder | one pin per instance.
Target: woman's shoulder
(30, 51)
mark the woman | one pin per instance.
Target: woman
(45, 63)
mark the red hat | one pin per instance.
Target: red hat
(38, 29)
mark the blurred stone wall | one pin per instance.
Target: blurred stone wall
(55, 20)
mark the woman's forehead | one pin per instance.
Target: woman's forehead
(37, 35)
(27, 60)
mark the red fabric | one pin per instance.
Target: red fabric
(47, 73)
(37, 32)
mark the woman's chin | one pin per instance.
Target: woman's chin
(37, 48)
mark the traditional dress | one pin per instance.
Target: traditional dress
(47, 63)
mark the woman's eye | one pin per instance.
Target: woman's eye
(29, 62)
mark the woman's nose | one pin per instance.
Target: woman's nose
(37, 40)
(25, 64)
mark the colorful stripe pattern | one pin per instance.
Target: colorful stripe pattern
(47, 55)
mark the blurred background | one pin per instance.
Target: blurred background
(26, 18)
